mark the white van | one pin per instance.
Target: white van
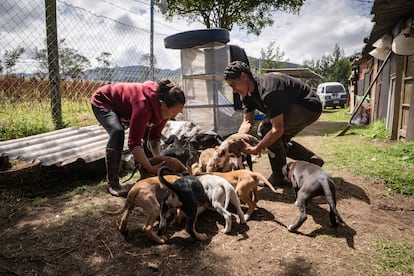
(332, 94)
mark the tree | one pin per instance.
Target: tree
(146, 61)
(11, 57)
(71, 63)
(334, 67)
(247, 14)
(271, 56)
(104, 60)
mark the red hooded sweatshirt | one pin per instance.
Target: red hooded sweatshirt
(136, 104)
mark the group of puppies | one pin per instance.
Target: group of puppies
(216, 179)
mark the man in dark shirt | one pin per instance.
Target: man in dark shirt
(289, 105)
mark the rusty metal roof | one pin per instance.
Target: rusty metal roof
(60, 147)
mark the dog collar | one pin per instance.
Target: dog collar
(292, 165)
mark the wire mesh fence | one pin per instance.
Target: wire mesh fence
(85, 51)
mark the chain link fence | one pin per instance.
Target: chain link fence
(49, 73)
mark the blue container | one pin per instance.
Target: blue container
(258, 117)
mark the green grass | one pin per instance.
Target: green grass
(396, 257)
(21, 119)
(366, 151)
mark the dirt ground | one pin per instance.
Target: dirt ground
(67, 234)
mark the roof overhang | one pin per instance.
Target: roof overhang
(386, 15)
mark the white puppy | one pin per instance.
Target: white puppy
(220, 193)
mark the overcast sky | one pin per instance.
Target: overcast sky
(310, 34)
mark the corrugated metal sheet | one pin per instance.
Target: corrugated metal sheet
(60, 147)
(66, 146)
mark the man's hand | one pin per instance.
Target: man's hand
(249, 149)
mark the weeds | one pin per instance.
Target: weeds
(397, 257)
(21, 119)
(366, 151)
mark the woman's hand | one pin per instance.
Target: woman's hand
(141, 158)
(154, 168)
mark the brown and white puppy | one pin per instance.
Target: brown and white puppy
(310, 180)
(245, 183)
(206, 163)
(148, 194)
(231, 147)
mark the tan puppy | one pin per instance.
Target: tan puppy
(231, 147)
(148, 194)
(201, 165)
(206, 163)
(245, 183)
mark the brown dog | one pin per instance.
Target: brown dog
(148, 194)
(231, 147)
(245, 183)
(206, 163)
(176, 165)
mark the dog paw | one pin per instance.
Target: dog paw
(291, 229)
(246, 217)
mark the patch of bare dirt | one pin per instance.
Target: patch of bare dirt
(67, 234)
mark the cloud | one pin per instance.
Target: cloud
(123, 29)
(313, 32)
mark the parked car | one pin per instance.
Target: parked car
(332, 94)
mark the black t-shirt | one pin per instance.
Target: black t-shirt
(274, 93)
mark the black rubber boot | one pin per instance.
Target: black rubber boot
(296, 151)
(113, 163)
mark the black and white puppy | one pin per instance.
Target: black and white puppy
(221, 193)
(309, 180)
(191, 199)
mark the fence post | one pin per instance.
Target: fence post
(53, 62)
(152, 72)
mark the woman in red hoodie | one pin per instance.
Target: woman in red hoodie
(141, 106)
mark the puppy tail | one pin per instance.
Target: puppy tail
(330, 195)
(265, 181)
(115, 213)
(229, 190)
(161, 173)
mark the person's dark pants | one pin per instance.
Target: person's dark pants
(110, 121)
(295, 120)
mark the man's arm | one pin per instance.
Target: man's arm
(247, 124)
(271, 136)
